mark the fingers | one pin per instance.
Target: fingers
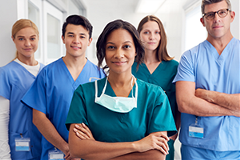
(159, 134)
(80, 134)
(83, 132)
(67, 156)
(87, 131)
(160, 142)
(162, 145)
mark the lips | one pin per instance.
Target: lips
(119, 62)
(151, 43)
(76, 47)
(27, 49)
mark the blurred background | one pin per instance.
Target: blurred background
(181, 19)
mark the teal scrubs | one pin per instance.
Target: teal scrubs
(153, 113)
(163, 77)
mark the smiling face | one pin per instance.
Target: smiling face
(26, 41)
(218, 27)
(150, 35)
(76, 40)
(120, 51)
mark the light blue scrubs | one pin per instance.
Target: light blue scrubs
(52, 93)
(153, 113)
(15, 80)
(211, 71)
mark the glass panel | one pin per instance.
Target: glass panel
(73, 9)
(33, 15)
(53, 37)
(64, 1)
(195, 32)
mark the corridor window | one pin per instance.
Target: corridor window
(34, 15)
(195, 33)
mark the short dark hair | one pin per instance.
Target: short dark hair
(77, 20)
(207, 2)
(109, 28)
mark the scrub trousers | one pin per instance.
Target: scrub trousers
(193, 153)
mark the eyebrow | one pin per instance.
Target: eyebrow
(123, 42)
(24, 36)
(73, 33)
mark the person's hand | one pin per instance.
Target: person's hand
(83, 132)
(155, 140)
(67, 156)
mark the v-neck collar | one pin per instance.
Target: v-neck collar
(23, 68)
(109, 90)
(80, 79)
(159, 67)
(220, 58)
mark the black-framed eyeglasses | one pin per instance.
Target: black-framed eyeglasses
(221, 13)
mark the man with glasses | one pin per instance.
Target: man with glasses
(208, 89)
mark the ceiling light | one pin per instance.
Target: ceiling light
(148, 6)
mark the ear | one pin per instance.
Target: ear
(63, 39)
(202, 21)
(12, 38)
(90, 41)
(232, 15)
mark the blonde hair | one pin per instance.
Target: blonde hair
(21, 24)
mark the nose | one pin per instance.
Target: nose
(27, 43)
(151, 36)
(216, 17)
(76, 40)
(119, 54)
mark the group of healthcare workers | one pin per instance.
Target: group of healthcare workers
(73, 109)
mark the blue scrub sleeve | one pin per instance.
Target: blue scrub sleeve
(5, 87)
(77, 111)
(185, 68)
(162, 118)
(36, 95)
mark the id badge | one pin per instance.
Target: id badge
(55, 155)
(196, 131)
(22, 144)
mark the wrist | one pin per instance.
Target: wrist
(135, 147)
(65, 149)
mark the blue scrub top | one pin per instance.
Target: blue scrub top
(153, 113)
(15, 80)
(211, 71)
(52, 93)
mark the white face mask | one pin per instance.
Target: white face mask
(116, 104)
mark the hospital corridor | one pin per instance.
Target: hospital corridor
(120, 79)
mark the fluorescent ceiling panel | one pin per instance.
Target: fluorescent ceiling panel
(148, 6)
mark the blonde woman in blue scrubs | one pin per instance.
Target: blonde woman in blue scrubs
(119, 117)
(15, 79)
(158, 67)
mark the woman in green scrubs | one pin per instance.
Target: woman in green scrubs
(119, 117)
(158, 67)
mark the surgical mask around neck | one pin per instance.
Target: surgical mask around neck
(117, 104)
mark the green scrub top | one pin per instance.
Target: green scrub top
(162, 76)
(153, 113)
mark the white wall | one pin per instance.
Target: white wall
(235, 26)
(8, 11)
(100, 13)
